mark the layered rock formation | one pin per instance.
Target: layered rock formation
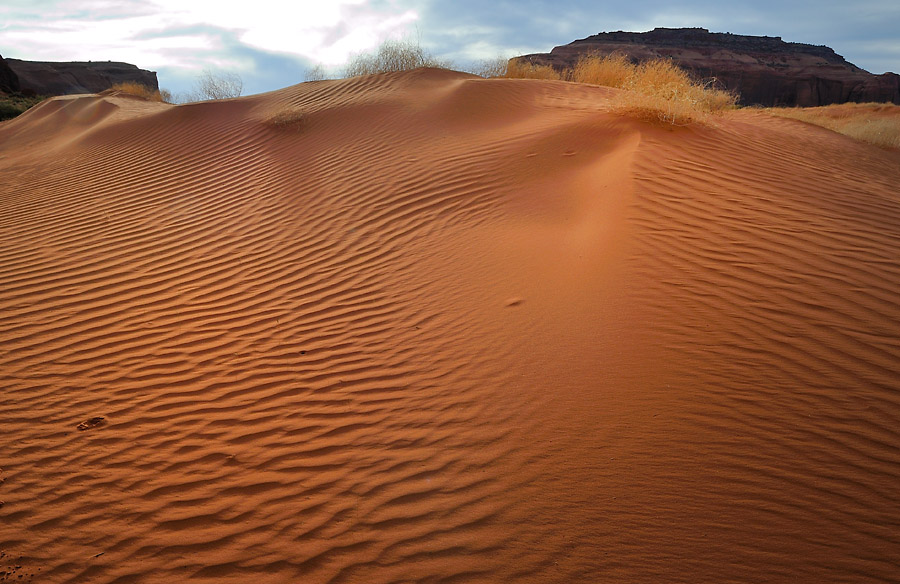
(66, 78)
(9, 81)
(763, 70)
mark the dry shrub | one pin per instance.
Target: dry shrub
(715, 99)
(873, 123)
(316, 73)
(392, 56)
(137, 89)
(522, 69)
(653, 108)
(491, 68)
(659, 89)
(211, 85)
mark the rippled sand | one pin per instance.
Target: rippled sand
(425, 327)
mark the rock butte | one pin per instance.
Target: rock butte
(67, 78)
(763, 70)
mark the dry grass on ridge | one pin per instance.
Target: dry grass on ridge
(521, 69)
(874, 123)
(137, 89)
(655, 90)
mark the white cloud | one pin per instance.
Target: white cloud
(179, 37)
(151, 33)
(327, 31)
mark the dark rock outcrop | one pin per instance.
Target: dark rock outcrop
(763, 70)
(9, 81)
(66, 78)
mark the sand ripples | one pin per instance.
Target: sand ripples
(432, 328)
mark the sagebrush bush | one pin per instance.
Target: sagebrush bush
(316, 73)
(392, 56)
(491, 68)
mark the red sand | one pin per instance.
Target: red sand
(444, 329)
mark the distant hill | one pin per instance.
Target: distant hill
(66, 78)
(764, 70)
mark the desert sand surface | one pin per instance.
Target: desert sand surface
(425, 327)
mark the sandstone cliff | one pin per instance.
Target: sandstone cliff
(9, 81)
(763, 70)
(51, 78)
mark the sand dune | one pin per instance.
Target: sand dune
(425, 327)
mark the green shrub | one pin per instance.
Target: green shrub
(15, 105)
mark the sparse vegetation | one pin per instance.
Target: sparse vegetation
(660, 89)
(491, 68)
(874, 123)
(613, 70)
(137, 89)
(14, 105)
(317, 73)
(655, 90)
(211, 85)
(288, 118)
(522, 69)
(391, 56)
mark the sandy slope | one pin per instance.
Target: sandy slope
(443, 329)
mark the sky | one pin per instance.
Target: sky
(272, 44)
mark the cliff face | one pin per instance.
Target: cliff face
(763, 70)
(9, 81)
(47, 78)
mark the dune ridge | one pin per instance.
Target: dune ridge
(437, 328)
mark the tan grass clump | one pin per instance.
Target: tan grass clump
(660, 89)
(137, 89)
(873, 123)
(613, 70)
(655, 90)
(522, 69)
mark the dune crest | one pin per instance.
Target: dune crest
(429, 327)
